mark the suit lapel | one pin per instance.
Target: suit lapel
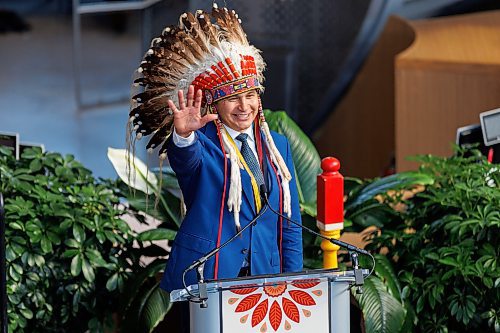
(211, 133)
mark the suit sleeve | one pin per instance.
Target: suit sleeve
(292, 234)
(186, 163)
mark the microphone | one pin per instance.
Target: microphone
(353, 250)
(342, 244)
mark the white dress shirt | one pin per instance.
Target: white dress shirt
(180, 141)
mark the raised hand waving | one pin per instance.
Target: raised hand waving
(188, 117)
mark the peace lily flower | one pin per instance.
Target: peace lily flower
(134, 173)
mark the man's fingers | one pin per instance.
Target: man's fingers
(207, 118)
(190, 96)
(172, 106)
(182, 104)
(197, 101)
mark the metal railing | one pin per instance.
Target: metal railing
(80, 9)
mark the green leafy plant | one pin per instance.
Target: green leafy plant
(69, 252)
(145, 305)
(446, 251)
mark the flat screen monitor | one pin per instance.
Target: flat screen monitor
(490, 123)
(472, 137)
(469, 136)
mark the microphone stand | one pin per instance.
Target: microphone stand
(200, 263)
(353, 250)
(359, 280)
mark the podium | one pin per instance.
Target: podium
(312, 301)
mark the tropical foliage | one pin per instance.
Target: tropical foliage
(68, 252)
(445, 248)
(145, 305)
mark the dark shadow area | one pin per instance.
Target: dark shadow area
(11, 22)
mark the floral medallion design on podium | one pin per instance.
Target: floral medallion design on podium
(295, 307)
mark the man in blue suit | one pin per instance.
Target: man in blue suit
(196, 156)
(199, 97)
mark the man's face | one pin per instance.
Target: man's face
(239, 111)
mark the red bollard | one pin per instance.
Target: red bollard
(330, 208)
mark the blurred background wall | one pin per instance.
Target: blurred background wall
(331, 66)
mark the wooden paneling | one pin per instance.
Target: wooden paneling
(360, 131)
(443, 81)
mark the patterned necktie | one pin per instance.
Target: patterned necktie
(250, 159)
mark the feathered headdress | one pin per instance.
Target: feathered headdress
(212, 53)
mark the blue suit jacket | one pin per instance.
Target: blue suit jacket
(200, 171)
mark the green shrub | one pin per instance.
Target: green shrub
(446, 251)
(68, 251)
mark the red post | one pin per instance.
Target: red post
(330, 207)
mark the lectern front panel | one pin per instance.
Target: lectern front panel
(300, 306)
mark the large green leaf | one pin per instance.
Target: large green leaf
(370, 213)
(148, 309)
(393, 182)
(168, 208)
(385, 271)
(169, 181)
(154, 310)
(382, 312)
(135, 285)
(157, 234)
(305, 156)
(132, 170)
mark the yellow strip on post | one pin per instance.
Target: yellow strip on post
(330, 249)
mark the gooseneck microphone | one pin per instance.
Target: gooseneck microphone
(200, 263)
(353, 250)
(344, 245)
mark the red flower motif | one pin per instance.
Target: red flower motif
(243, 291)
(259, 313)
(274, 312)
(302, 297)
(305, 284)
(275, 315)
(275, 290)
(248, 302)
(291, 310)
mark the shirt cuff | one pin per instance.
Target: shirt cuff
(182, 142)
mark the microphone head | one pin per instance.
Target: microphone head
(263, 191)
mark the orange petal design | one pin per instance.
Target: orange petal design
(287, 325)
(243, 291)
(248, 302)
(317, 292)
(232, 300)
(263, 328)
(244, 319)
(307, 313)
(291, 310)
(275, 290)
(259, 313)
(305, 284)
(275, 315)
(302, 297)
